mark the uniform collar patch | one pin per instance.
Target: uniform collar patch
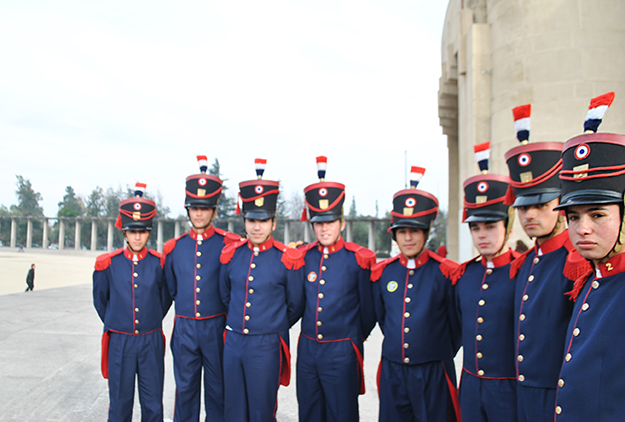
(338, 245)
(205, 235)
(501, 260)
(130, 254)
(263, 246)
(554, 243)
(418, 261)
(613, 266)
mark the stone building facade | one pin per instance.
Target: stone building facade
(499, 54)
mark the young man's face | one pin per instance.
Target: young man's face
(593, 229)
(328, 232)
(201, 217)
(539, 220)
(410, 241)
(488, 237)
(137, 239)
(258, 231)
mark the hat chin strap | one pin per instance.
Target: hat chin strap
(559, 223)
(508, 230)
(620, 240)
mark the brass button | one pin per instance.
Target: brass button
(410, 285)
(480, 372)
(198, 253)
(197, 314)
(576, 332)
(322, 282)
(320, 336)
(407, 315)
(595, 284)
(411, 272)
(136, 285)
(251, 291)
(521, 377)
(585, 306)
(197, 277)
(406, 330)
(536, 260)
(245, 331)
(406, 360)
(406, 345)
(199, 242)
(247, 317)
(248, 304)
(522, 317)
(255, 253)
(326, 256)
(319, 309)
(250, 278)
(525, 297)
(319, 323)
(136, 309)
(558, 410)
(407, 300)
(489, 271)
(479, 355)
(136, 331)
(135, 275)
(481, 302)
(484, 286)
(320, 295)
(480, 320)
(521, 337)
(197, 289)
(561, 382)
(478, 337)
(568, 357)
(198, 265)
(197, 302)
(530, 278)
(520, 358)
(323, 268)
(136, 321)
(253, 265)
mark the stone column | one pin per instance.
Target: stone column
(77, 235)
(109, 236)
(371, 235)
(13, 232)
(159, 236)
(44, 241)
(231, 226)
(29, 233)
(287, 235)
(349, 224)
(94, 235)
(306, 232)
(61, 234)
(176, 229)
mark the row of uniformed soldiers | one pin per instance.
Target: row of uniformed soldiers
(525, 357)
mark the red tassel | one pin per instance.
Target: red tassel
(510, 197)
(516, 265)
(238, 210)
(118, 222)
(304, 215)
(446, 266)
(464, 215)
(576, 266)
(459, 272)
(579, 285)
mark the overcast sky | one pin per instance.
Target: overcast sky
(110, 93)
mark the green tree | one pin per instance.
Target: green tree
(27, 199)
(95, 204)
(438, 233)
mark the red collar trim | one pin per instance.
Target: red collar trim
(205, 235)
(553, 243)
(613, 266)
(337, 246)
(501, 260)
(263, 246)
(418, 261)
(130, 254)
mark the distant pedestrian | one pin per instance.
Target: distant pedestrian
(30, 278)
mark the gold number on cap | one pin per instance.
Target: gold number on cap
(480, 199)
(526, 177)
(201, 192)
(259, 202)
(324, 203)
(578, 168)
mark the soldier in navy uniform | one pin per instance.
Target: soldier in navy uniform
(131, 298)
(339, 313)
(591, 385)
(262, 287)
(542, 311)
(414, 303)
(485, 300)
(192, 273)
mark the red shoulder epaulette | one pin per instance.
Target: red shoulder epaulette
(103, 261)
(458, 272)
(447, 266)
(171, 244)
(516, 265)
(305, 248)
(377, 269)
(293, 259)
(230, 237)
(365, 257)
(579, 285)
(228, 251)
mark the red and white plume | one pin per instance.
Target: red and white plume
(203, 163)
(322, 165)
(522, 122)
(139, 189)
(260, 164)
(482, 154)
(597, 109)
(416, 173)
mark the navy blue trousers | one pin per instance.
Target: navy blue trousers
(141, 356)
(536, 404)
(198, 345)
(328, 381)
(487, 400)
(251, 377)
(415, 393)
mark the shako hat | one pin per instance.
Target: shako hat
(593, 164)
(202, 190)
(414, 207)
(136, 213)
(485, 193)
(324, 200)
(534, 167)
(258, 197)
